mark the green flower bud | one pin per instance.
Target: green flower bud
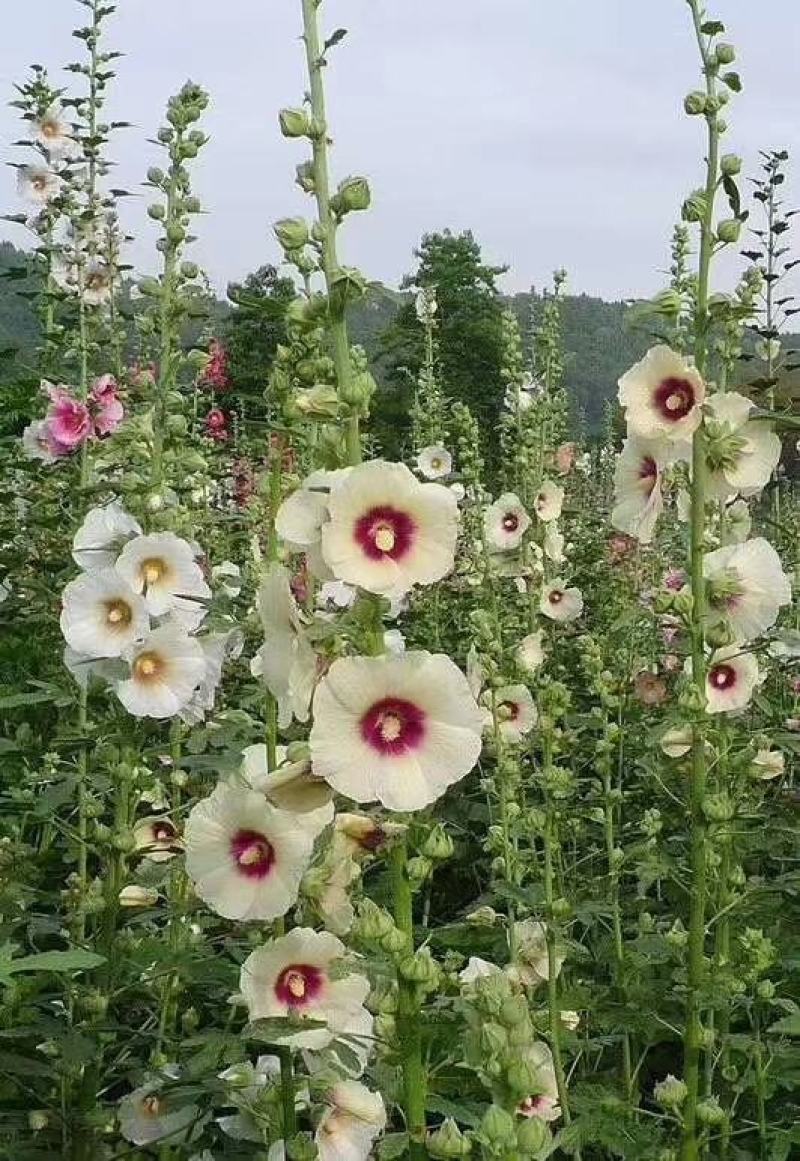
(438, 846)
(670, 1093)
(359, 391)
(155, 175)
(301, 1148)
(694, 207)
(719, 635)
(513, 1012)
(718, 807)
(709, 1112)
(38, 1119)
(149, 287)
(482, 917)
(353, 194)
(156, 212)
(394, 941)
(448, 1141)
(765, 990)
(372, 923)
(695, 103)
(521, 1078)
(305, 177)
(294, 122)
(725, 54)
(533, 1136)
(497, 1127)
(292, 233)
(729, 229)
(175, 233)
(419, 968)
(320, 402)
(419, 871)
(494, 1041)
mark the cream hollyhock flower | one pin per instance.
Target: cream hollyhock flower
(217, 649)
(477, 969)
(741, 453)
(286, 661)
(549, 501)
(98, 540)
(505, 522)
(165, 670)
(38, 444)
(676, 741)
(147, 1115)
(515, 711)
(435, 462)
(162, 567)
(135, 896)
(768, 764)
(543, 1102)
(730, 680)
(663, 395)
(101, 615)
(292, 975)
(38, 184)
(530, 651)
(399, 730)
(300, 517)
(637, 488)
(560, 603)
(388, 532)
(292, 786)
(96, 280)
(245, 857)
(736, 523)
(353, 1119)
(746, 587)
(157, 838)
(54, 132)
(533, 965)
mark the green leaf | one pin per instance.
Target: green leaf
(334, 38)
(787, 1025)
(712, 27)
(15, 700)
(75, 960)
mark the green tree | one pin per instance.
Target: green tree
(469, 335)
(253, 330)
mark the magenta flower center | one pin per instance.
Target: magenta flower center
(508, 711)
(253, 853)
(163, 832)
(722, 677)
(556, 597)
(393, 726)
(385, 531)
(674, 398)
(510, 522)
(648, 473)
(299, 984)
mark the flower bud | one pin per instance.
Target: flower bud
(670, 1093)
(372, 923)
(292, 233)
(521, 1078)
(709, 1112)
(136, 896)
(765, 990)
(725, 54)
(718, 807)
(305, 177)
(729, 229)
(294, 122)
(419, 968)
(497, 1127)
(353, 194)
(493, 1040)
(694, 206)
(695, 103)
(448, 1141)
(38, 1120)
(482, 917)
(394, 941)
(155, 175)
(533, 1136)
(149, 287)
(438, 846)
(730, 164)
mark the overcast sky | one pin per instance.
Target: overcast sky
(552, 128)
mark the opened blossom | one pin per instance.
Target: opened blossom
(637, 488)
(69, 422)
(162, 567)
(505, 522)
(105, 405)
(353, 1118)
(530, 651)
(97, 543)
(561, 602)
(731, 678)
(38, 184)
(293, 975)
(549, 501)
(395, 729)
(164, 670)
(38, 444)
(746, 587)
(101, 615)
(742, 453)
(157, 838)
(245, 857)
(286, 661)
(511, 710)
(662, 395)
(54, 132)
(434, 462)
(387, 532)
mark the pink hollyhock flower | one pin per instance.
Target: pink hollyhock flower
(675, 580)
(620, 545)
(105, 405)
(142, 375)
(217, 425)
(243, 482)
(215, 374)
(69, 423)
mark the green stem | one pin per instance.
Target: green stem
(166, 329)
(553, 1004)
(409, 1024)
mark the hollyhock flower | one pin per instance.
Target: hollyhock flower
(560, 603)
(543, 1102)
(396, 729)
(215, 373)
(549, 501)
(768, 764)
(505, 522)
(69, 423)
(458, 490)
(292, 786)
(564, 458)
(637, 488)
(38, 184)
(742, 453)
(336, 594)
(649, 688)
(216, 425)
(54, 132)
(105, 405)
(663, 395)
(533, 965)
(425, 305)
(165, 670)
(388, 532)
(514, 709)
(96, 543)
(300, 517)
(353, 1119)
(245, 857)
(101, 615)
(96, 282)
(553, 544)
(676, 741)
(229, 576)
(292, 975)
(359, 836)
(147, 1115)
(731, 678)
(620, 546)
(38, 444)
(217, 649)
(524, 396)
(746, 587)
(135, 895)
(286, 661)
(435, 462)
(162, 567)
(157, 838)
(530, 652)
(675, 579)
(246, 1083)
(478, 969)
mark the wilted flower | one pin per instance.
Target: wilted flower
(543, 1101)
(676, 741)
(286, 661)
(649, 688)
(533, 962)
(96, 282)
(564, 458)
(157, 838)
(136, 896)
(662, 395)
(514, 709)
(768, 764)
(97, 542)
(105, 405)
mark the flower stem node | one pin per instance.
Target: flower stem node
(448, 1142)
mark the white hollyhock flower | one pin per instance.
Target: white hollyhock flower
(425, 304)
(37, 444)
(96, 280)
(97, 542)
(505, 522)
(83, 667)
(434, 462)
(292, 786)
(478, 969)
(354, 1117)
(533, 965)
(165, 670)
(677, 741)
(388, 532)
(300, 518)
(286, 661)
(515, 711)
(54, 132)
(394, 642)
(38, 184)
(458, 490)
(543, 1102)
(549, 501)
(746, 587)
(217, 649)
(293, 974)
(730, 679)
(530, 651)
(663, 395)
(136, 896)
(742, 453)
(637, 488)
(768, 764)
(147, 1115)
(554, 544)
(157, 838)
(336, 594)
(162, 567)
(560, 603)
(245, 857)
(396, 729)
(101, 615)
